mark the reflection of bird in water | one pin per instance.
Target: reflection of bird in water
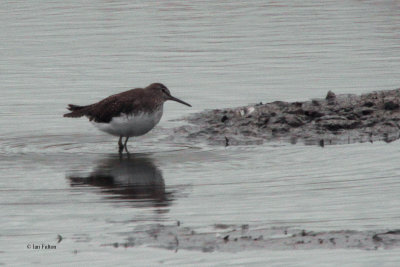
(134, 178)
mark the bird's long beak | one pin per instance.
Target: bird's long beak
(178, 100)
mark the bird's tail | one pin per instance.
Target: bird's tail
(77, 111)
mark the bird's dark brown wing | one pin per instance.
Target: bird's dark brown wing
(127, 102)
(130, 102)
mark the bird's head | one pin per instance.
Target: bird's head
(161, 90)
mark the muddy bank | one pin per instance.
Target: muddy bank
(231, 238)
(335, 119)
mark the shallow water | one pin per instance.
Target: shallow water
(62, 178)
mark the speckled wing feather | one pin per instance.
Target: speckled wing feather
(128, 102)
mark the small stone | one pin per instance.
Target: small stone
(315, 102)
(250, 110)
(294, 121)
(376, 238)
(336, 125)
(321, 143)
(390, 105)
(368, 104)
(226, 238)
(367, 111)
(293, 140)
(392, 232)
(224, 118)
(226, 141)
(313, 113)
(297, 104)
(330, 95)
(259, 238)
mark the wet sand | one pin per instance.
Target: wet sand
(236, 238)
(335, 119)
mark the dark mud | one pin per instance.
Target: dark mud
(230, 238)
(337, 119)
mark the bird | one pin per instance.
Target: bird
(131, 113)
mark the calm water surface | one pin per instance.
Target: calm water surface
(61, 177)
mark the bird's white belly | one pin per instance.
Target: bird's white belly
(131, 125)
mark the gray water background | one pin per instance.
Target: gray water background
(212, 55)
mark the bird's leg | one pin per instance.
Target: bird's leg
(126, 142)
(120, 145)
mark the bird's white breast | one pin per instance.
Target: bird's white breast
(131, 125)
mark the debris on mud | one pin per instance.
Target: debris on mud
(235, 239)
(336, 119)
